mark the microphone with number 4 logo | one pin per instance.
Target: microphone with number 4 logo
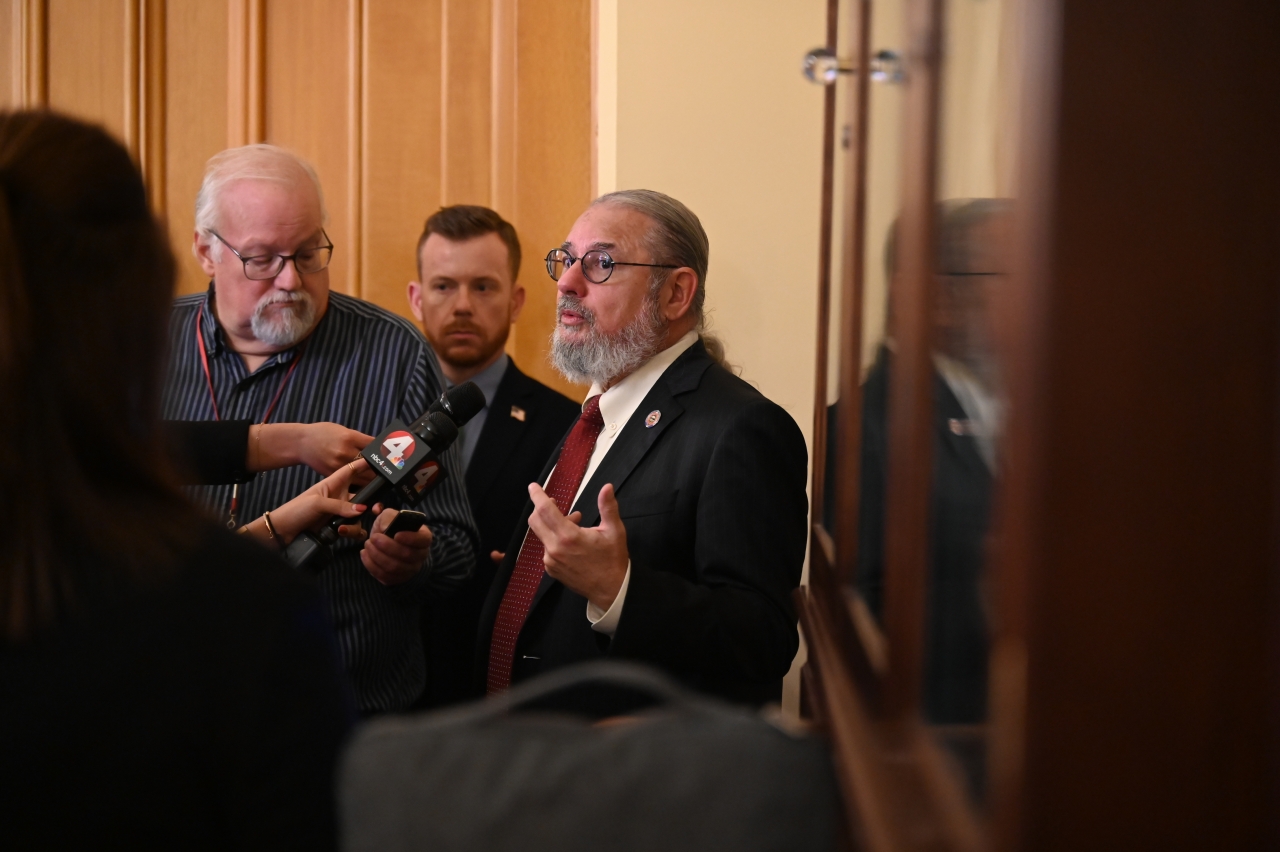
(406, 460)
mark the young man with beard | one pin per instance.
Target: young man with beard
(672, 528)
(466, 298)
(269, 342)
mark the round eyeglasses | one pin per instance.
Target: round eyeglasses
(263, 266)
(597, 265)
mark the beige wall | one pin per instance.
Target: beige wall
(704, 100)
(712, 109)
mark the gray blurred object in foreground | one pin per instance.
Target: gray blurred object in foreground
(684, 772)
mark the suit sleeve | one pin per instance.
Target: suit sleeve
(208, 452)
(736, 621)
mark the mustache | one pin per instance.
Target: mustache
(284, 297)
(463, 325)
(569, 302)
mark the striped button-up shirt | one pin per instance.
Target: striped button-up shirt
(362, 366)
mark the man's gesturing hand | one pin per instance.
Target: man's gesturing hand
(592, 561)
(398, 560)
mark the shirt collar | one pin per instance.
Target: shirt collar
(619, 401)
(489, 378)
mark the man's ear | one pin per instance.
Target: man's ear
(676, 296)
(517, 302)
(203, 252)
(415, 299)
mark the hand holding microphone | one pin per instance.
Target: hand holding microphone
(406, 461)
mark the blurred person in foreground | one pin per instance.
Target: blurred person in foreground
(163, 682)
(467, 299)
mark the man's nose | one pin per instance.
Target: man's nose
(288, 278)
(573, 281)
(462, 300)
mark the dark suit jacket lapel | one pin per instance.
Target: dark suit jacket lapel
(507, 568)
(500, 435)
(636, 439)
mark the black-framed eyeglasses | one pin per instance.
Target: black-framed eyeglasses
(597, 265)
(263, 266)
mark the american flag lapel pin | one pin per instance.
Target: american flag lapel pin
(518, 413)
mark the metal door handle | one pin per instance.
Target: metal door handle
(823, 67)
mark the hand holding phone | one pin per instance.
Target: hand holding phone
(405, 521)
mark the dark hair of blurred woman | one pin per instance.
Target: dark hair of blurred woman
(163, 683)
(86, 278)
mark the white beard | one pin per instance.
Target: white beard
(601, 357)
(285, 326)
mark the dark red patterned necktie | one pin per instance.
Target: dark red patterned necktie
(575, 455)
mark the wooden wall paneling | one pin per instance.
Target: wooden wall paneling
(1018, 519)
(246, 72)
(910, 423)
(848, 489)
(24, 70)
(87, 64)
(401, 150)
(308, 86)
(466, 72)
(553, 135)
(132, 75)
(817, 489)
(11, 36)
(151, 99)
(1142, 494)
(197, 90)
(502, 111)
(355, 92)
(36, 52)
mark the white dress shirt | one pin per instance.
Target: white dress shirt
(985, 409)
(617, 404)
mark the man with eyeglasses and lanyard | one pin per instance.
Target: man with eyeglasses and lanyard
(670, 526)
(268, 342)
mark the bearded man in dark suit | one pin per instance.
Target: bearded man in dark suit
(672, 527)
(467, 298)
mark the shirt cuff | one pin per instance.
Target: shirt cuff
(606, 622)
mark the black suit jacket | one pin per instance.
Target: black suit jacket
(713, 500)
(510, 453)
(956, 645)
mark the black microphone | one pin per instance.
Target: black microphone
(405, 459)
(459, 403)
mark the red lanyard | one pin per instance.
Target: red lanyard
(208, 377)
(208, 380)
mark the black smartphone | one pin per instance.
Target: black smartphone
(406, 521)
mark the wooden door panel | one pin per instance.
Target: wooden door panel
(87, 58)
(311, 98)
(401, 158)
(196, 60)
